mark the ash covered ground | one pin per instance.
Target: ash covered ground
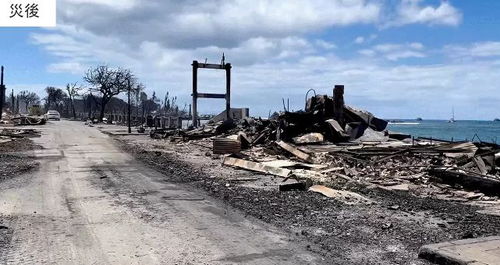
(388, 231)
(13, 163)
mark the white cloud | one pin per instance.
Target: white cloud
(367, 52)
(359, 40)
(119, 5)
(394, 56)
(262, 75)
(478, 49)
(325, 44)
(67, 67)
(223, 23)
(394, 52)
(411, 12)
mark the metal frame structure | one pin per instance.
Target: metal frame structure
(196, 95)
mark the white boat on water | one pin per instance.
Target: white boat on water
(452, 120)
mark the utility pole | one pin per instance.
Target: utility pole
(2, 93)
(12, 102)
(128, 116)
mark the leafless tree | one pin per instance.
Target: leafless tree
(28, 98)
(109, 83)
(73, 90)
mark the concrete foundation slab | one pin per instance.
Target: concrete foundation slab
(476, 251)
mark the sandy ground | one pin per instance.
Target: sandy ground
(389, 231)
(91, 203)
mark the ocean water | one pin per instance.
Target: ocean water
(486, 131)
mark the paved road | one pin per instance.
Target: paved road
(90, 203)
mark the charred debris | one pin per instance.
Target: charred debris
(329, 142)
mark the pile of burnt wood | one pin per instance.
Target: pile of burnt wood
(325, 118)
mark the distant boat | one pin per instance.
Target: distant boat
(452, 120)
(497, 119)
(402, 122)
(419, 119)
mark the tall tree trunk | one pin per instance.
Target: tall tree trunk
(104, 101)
(73, 108)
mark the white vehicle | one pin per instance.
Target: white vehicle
(52, 115)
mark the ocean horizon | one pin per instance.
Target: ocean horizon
(460, 130)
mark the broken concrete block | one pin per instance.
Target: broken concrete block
(467, 251)
(310, 138)
(370, 135)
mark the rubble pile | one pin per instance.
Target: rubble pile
(330, 141)
(17, 120)
(314, 125)
(439, 170)
(13, 140)
(28, 120)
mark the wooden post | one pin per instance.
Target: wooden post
(195, 94)
(338, 104)
(228, 90)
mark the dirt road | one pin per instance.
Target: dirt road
(90, 203)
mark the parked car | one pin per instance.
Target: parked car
(52, 115)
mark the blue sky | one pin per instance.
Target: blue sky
(396, 58)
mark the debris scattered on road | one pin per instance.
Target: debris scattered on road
(344, 196)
